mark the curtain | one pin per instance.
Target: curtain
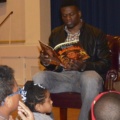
(104, 14)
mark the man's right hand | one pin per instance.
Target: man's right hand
(44, 58)
(24, 112)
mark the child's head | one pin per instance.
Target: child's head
(37, 98)
(9, 94)
(106, 106)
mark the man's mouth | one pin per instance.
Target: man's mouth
(69, 23)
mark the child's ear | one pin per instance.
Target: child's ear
(38, 107)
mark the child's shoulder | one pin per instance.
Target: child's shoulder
(41, 116)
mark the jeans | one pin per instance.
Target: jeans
(88, 83)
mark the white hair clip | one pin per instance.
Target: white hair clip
(23, 95)
(41, 86)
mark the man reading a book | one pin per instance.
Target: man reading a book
(82, 76)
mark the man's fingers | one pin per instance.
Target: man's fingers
(23, 117)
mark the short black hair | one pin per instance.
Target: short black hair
(7, 81)
(65, 3)
(108, 107)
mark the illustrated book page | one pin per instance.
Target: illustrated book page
(63, 53)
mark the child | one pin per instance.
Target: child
(37, 98)
(106, 106)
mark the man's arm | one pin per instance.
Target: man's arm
(101, 60)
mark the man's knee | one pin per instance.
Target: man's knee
(91, 78)
(39, 77)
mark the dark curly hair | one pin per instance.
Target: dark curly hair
(66, 3)
(35, 94)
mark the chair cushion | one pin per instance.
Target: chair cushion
(66, 100)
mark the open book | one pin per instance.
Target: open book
(62, 53)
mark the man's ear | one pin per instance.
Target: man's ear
(80, 14)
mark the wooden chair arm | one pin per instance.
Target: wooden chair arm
(111, 77)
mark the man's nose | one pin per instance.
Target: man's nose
(68, 17)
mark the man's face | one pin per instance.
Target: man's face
(70, 16)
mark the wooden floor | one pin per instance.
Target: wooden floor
(72, 114)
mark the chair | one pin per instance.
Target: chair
(73, 100)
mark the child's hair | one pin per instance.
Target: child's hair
(106, 106)
(33, 94)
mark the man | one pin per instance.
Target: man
(106, 106)
(85, 77)
(10, 96)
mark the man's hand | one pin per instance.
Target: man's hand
(74, 65)
(10, 117)
(24, 112)
(44, 58)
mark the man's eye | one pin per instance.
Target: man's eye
(64, 15)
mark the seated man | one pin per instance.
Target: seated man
(106, 106)
(85, 77)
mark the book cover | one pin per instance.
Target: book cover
(51, 53)
(62, 53)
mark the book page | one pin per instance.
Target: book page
(72, 50)
(51, 53)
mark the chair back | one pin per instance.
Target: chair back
(114, 45)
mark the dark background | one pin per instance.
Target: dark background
(104, 14)
(2, 1)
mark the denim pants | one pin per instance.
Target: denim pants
(88, 83)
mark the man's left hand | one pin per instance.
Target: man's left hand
(75, 65)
